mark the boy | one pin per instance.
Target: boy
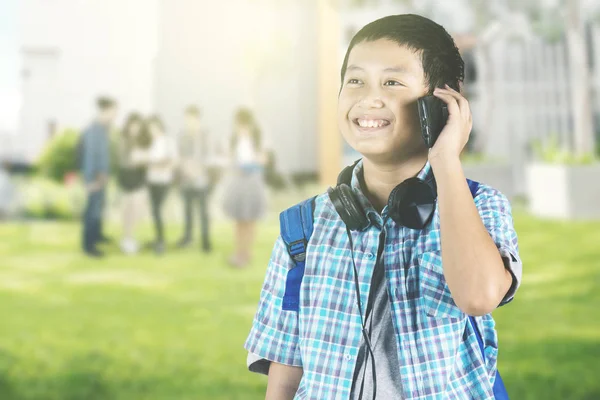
(419, 284)
(194, 179)
(95, 164)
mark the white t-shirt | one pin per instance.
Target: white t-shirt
(163, 149)
(245, 154)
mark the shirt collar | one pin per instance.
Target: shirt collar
(357, 184)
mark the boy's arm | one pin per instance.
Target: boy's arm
(478, 240)
(283, 382)
(273, 342)
(477, 250)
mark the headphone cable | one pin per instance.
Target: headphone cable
(366, 332)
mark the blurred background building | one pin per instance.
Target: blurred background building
(158, 57)
(531, 70)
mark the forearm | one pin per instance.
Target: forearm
(473, 267)
(283, 382)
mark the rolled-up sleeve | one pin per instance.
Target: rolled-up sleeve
(495, 211)
(274, 332)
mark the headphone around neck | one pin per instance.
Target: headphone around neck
(411, 203)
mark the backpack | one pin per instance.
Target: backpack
(296, 226)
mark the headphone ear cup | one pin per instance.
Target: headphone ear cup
(412, 203)
(348, 207)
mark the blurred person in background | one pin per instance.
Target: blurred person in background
(94, 149)
(245, 195)
(162, 162)
(193, 177)
(133, 156)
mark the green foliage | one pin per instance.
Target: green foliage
(550, 151)
(44, 198)
(60, 155)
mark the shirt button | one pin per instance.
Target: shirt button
(370, 255)
(348, 357)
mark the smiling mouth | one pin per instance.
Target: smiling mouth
(370, 123)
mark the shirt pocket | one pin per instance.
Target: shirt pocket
(435, 296)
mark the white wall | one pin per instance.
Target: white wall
(9, 72)
(161, 55)
(220, 55)
(99, 46)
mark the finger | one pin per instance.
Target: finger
(463, 103)
(451, 89)
(457, 95)
(465, 108)
(453, 108)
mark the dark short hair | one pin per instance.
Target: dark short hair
(441, 60)
(104, 103)
(192, 111)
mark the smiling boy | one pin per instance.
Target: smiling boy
(418, 286)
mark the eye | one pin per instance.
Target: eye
(392, 82)
(353, 81)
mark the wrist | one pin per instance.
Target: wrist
(443, 161)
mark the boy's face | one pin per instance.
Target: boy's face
(377, 112)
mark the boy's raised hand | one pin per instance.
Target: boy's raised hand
(455, 134)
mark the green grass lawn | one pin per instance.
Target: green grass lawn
(173, 327)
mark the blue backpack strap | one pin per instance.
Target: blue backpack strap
(500, 392)
(473, 187)
(499, 389)
(296, 227)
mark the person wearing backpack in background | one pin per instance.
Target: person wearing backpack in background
(386, 290)
(94, 159)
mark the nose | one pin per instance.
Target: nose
(372, 99)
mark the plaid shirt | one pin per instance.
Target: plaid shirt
(438, 353)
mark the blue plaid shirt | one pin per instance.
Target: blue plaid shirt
(438, 352)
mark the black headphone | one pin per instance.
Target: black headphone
(411, 203)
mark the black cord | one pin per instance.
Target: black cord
(366, 332)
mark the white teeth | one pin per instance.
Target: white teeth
(371, 123)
